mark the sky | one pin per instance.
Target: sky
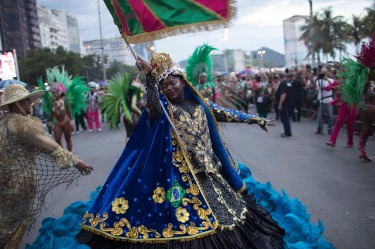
(257, 23)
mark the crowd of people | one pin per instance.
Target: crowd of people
(291, 94)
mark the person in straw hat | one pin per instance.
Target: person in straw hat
(27, 165)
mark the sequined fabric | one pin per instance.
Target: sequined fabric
(27, 171)
(191, 124)
(153, 106)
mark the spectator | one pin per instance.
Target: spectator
(324, 98)
(284, 100)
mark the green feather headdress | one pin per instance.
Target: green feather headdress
(200, 62)
(115, 99)
(354, 76)
(75, 89)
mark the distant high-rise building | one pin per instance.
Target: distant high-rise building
(141, 49)
(53, 32)
(71, 24)
(295, 50)
(19, 25)
(115, 49)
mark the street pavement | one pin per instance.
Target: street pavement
(332, 183)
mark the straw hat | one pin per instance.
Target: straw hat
(15, 93)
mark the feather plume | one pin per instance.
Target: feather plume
(367, 54)
(75, 89)
(115, 100)
(200, 62)
(354, 76)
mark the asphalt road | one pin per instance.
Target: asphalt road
(332, 183)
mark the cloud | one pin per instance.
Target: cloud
(258, 23)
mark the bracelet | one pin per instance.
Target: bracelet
(154, 73)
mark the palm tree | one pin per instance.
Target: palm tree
(310, 36)
(331, 31)
(357, 31)
(369, 21)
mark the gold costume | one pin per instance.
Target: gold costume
(27, 171)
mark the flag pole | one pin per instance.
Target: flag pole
(162, 106)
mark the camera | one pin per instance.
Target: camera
(321, 76)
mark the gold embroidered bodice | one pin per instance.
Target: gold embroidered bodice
(191, 123)
(193, 130)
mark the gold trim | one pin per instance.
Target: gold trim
(243, 188)
(16, 238)
(184, 153)
(178, 30)
(148, 240)
(193, 187)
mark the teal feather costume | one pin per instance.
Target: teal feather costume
(75, 89)
(115, 100)
(357, 73)
(198, 63)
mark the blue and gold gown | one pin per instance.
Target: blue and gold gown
(181, 190)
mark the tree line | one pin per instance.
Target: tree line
(36, 62)
(329, 35)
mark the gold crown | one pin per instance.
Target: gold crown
(160, 61)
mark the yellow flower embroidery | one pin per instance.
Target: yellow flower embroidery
(182, 214)
(120, 205)
(159, 195)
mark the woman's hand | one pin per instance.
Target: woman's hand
(271, 122)
(144, 65)
(71, 125)
(84, 168)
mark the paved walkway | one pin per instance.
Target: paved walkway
(333, 184)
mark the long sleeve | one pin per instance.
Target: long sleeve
(232, 116)
(153, 106)
(31, 130)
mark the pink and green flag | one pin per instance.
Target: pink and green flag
(144, 20)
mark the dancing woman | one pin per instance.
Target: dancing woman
(359, 88)
(178, 190)
(177, 186)
(65, 100)
(61, 113)
(199, 72)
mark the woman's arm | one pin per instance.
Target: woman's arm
(69, 113)
(68, 110)
(232, 116)
(133, 105)
(153, 106)
(31, 130)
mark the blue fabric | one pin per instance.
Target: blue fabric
(60, 233)
(146, 164)
(289, 213)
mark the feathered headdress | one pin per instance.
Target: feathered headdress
(75, 89)
(198, 63)
(115, 100)
(355, 73)
(367, 54)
